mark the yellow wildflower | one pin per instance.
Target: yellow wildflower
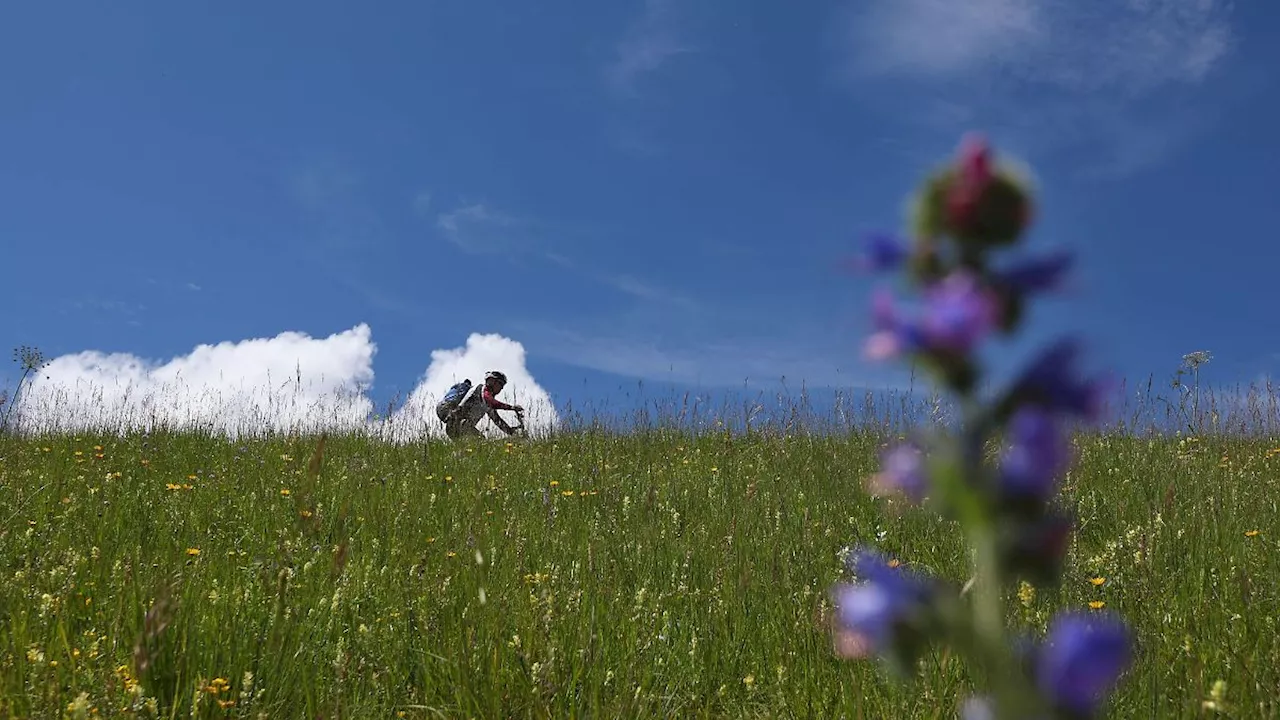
(1217, 700)
(1026, 593)
(80, 707)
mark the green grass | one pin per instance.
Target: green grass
(689, 581)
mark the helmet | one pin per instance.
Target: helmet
(496, 375)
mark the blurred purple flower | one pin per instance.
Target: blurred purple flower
(1082, 658)
(884, 315)
(1035, 275)
(1050, 381)
(893, 334)
(1038, 454)
(902, 470)
(881, 252)
(868, 613)
(959, 313)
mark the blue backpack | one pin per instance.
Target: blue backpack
(455, 394)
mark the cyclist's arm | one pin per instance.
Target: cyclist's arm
(495, 403)
(497, 420)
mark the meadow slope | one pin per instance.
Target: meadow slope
(588, 575)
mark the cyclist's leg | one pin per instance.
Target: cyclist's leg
(460, 428)
(453, 430)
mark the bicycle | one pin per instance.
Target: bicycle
(519, 428)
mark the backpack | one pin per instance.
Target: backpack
(453, 398)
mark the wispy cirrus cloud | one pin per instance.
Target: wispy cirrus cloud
(105, 308)
(1049, 75)
(482, 229)
(716, 362)
(626, 284)
(1130, 46)
(334, 198)
(650, 42)
(641, 289)
(422, 202)
(343, 223)
(936, 38)
(478, 228)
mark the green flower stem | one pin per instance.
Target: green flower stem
(1013, 699)
(988, 617)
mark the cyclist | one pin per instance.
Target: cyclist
(478, 402)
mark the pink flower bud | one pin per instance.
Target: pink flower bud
(971, 181)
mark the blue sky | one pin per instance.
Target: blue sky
(658, 191)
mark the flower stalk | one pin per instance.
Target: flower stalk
(964, 214)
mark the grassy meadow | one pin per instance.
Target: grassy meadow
(588, 574)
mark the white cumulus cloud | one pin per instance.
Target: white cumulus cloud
(288, 382)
